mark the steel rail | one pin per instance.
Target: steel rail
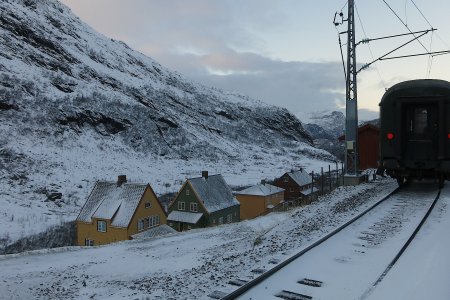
(241, 290)
(403, 249)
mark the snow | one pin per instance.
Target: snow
(351, 261)
(261, 190)
(58, 142)
(214, 192)
(187, 265)
(157, 231)
(184, 216)
(301, 177)
(111, 202)
(423, 271)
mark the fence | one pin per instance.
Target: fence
(322, 183)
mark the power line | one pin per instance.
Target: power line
(368, 45)
(400, 19)
(421, 13)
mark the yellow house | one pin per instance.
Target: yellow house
(259, 199)
(114, 211)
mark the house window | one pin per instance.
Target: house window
(188, 192)
(181, 205)
(148, 204)
(220, 220)
(88, 242)
(153, 221)
(189, 227)
(141, 224)
(171, 224)
(291, 190)
(286, 179)
(194, 207)
(101, 226)
(214, 221)
(229, 218)
(146, 222)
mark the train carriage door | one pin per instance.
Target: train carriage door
(421, 132)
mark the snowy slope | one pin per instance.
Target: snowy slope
(187, 265)
(76, 107)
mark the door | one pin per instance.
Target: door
(421, 133)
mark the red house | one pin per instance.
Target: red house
(368, 145)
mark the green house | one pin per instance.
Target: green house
(202, 202)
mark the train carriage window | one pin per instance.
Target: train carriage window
(420, 121)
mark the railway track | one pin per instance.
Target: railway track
(392, 222)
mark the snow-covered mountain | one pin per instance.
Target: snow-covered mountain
(325, 127)
(325, 124)
(76, 107)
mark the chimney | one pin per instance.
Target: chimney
(205, 174)
(121, 179)
(292, 170)
(263, 181)
(301, 170)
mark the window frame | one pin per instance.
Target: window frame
(148, 204)
(181, 205)
(193, 205)
(89, 243)
(100, 228)
(141, 224)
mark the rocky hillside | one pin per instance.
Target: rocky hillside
(76, 107)
(325, 128)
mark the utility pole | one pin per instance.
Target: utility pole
(351, 121)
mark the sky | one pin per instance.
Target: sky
(284, 52)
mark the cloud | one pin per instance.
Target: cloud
(295, 85)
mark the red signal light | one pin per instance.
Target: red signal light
(448, 135)
(390, 136)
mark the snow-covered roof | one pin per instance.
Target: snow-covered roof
(261, 190)
(214, 192)
(301, 177)
(184, 216)
(308, 191)
(155, 232)
(111, 202)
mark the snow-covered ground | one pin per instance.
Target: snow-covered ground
(349, 263)
(188, 265)
(423, 271)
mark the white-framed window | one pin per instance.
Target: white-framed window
(188, 192)
(101, 226)
(141, 224)
(146, 222)
(189, 227)
(220, 220)
(88, 242)
(286, 179)
(171, 224)
(194, 207)
(181, 205)
(229, 218)
(153, 221)
(148, 204)
(214, 221)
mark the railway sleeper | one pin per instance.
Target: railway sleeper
(237, 282)
(292, 296)
(310, 282)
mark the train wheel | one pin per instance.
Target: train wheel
(401, 181)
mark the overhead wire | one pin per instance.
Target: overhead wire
(400, 19)
(368, 45)
(421, 13)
